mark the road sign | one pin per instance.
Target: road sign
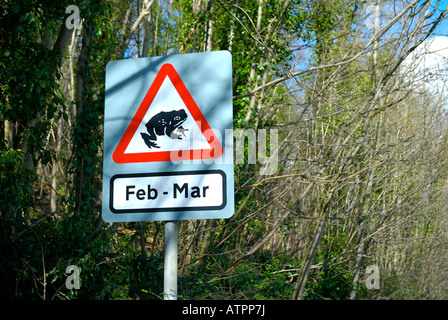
(168, 142)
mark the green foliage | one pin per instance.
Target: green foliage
(255, 279)
(29, 76)
(329, 283)
(15, 179)
(38, 242)
(108, 269)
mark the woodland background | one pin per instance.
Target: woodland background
(360, 110)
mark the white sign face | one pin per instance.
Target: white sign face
(167, 154)
(190, 191)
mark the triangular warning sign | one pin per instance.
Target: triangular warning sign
(168, 125)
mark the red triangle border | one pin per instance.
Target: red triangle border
(167, 70)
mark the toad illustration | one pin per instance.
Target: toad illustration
(165, 123)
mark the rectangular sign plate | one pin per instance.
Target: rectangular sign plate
(168, 191)
(168, 138)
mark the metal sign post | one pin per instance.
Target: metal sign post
(170, 267)
(171, 241)
(168, 144)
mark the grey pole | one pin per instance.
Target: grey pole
(171, 240)
(170, 266)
